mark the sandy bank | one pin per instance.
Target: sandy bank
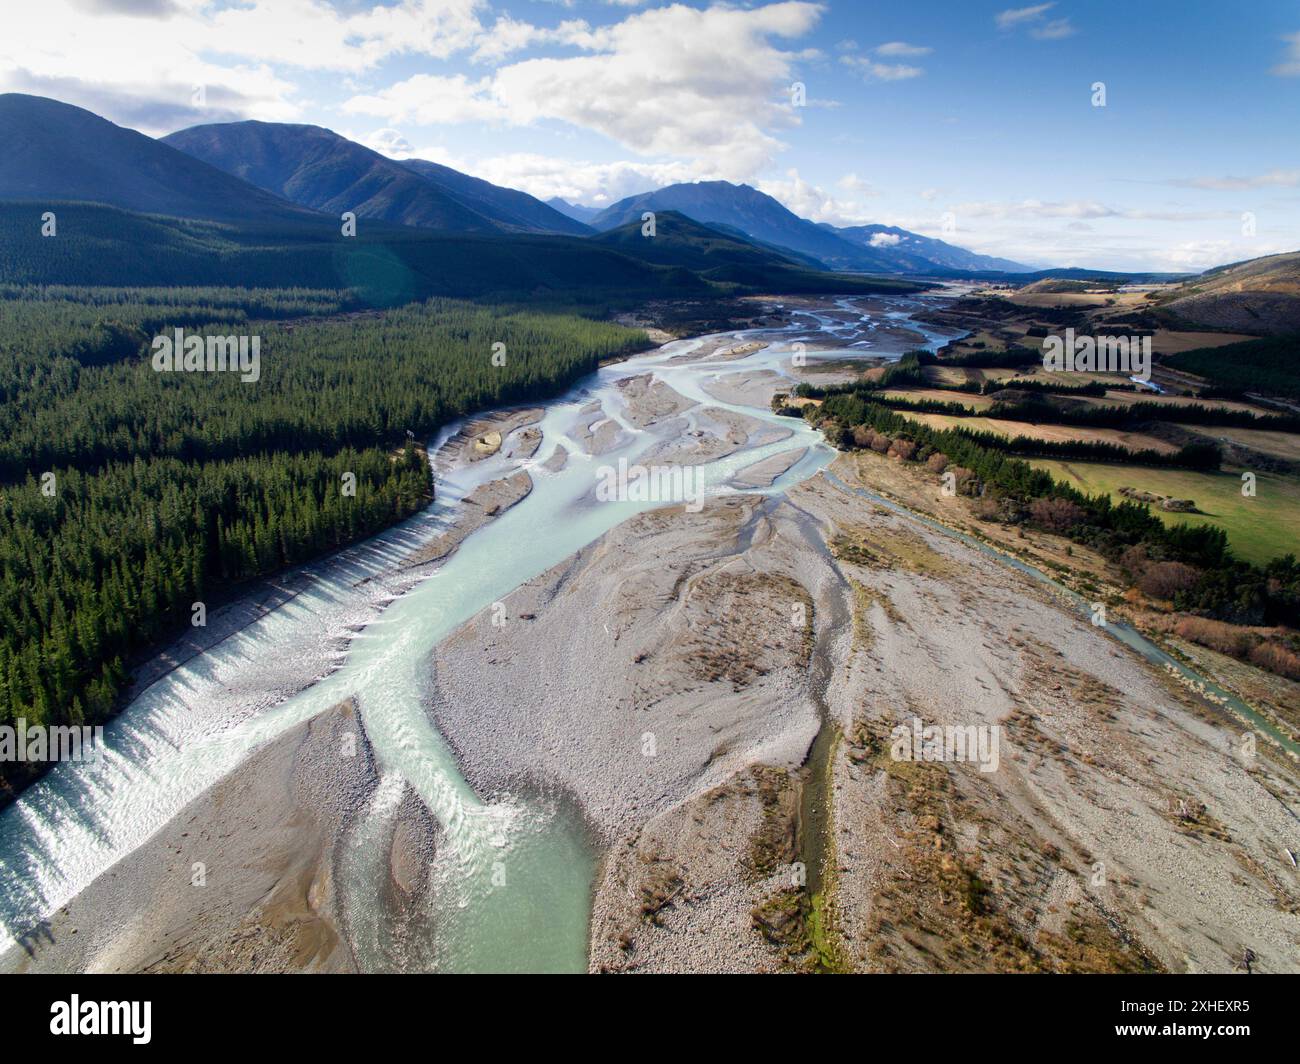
(1118, 832)
(241, 880)
(479, 507)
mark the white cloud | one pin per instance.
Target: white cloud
(901, 48)
(667, 82)
(856, 186)
(507, 35)
(810, 201)
(139, 61)
(1035, 18)
(592, 184)
(313, 34)
(388, 142)
(1290, 67)
(1196, 255)
(874, 71)
(1016, 16)
(427, 99)
(885, 240)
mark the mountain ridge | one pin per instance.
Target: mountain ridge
(765, 220)
(59, 152)
(323, 170)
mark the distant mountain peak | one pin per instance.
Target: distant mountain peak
(764, 219)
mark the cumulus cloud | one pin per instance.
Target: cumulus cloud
(884, 240)
(673, 81)
(132, 8)
(508, 35)
(388, 142)
(856, 186)
(139, 62)
(1192, 256)
(429, 99)
(811, 201)
(169, 102)
(592, 184)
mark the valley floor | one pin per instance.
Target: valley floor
(673, 679)
(1120, 832)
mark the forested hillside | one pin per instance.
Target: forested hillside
(384, 265)
(126, 494)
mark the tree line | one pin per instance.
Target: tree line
(127, 495)
(1225, 588)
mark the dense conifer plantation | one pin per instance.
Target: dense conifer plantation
(126, 494)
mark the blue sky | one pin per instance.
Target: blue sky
(968, 120)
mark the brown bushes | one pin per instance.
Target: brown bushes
(1056, 515)
(1276, 658)
(1225, 638)
(937, 462)
(1159, 580)
(1163, 580)
(1240, 643)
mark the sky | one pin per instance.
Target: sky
(1135, 135)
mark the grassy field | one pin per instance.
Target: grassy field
(939, 395)
(1134, 441)
(1258, 528)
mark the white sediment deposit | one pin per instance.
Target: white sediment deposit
(1115, 834)
(665, 674)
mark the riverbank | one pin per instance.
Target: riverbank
(241, 880)
(667, 668)
(682, 726)
(261, 655)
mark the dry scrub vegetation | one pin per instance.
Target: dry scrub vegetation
(945, 904)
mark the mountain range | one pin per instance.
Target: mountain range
(315, 167)
(872, 248)
(257, 200)
(267, 172)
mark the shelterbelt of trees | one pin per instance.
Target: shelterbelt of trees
(1194, 561)
(908, 370)
(126, 494)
